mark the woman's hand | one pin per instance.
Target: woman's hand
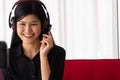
(46, 44)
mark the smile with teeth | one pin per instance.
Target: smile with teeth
(28, 35)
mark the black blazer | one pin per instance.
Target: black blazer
(22, 68)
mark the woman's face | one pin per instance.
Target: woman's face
(29, 29)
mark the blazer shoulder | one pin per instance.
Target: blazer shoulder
(57, 50)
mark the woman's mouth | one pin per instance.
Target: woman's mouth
(28, 35)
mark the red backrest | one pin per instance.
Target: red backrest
(67, 70)
(81, 69)
(105, 69)
(117, 69)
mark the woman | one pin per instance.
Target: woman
(33, 54)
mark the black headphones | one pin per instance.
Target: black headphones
(47, 25)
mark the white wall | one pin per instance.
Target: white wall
(119, 24)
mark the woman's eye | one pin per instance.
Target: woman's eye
(33, 24)
(22, 24)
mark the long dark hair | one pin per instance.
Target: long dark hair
(24, 8)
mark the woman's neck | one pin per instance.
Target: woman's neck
(30, 50)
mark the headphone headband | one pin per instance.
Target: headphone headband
(11, 15)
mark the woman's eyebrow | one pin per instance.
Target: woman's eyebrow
(34, 21)
(30, 22)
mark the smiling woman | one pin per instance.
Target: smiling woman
(33, 55)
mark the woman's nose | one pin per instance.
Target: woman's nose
(28, 29)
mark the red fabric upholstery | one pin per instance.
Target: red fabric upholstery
(104, 69)
(1, 76)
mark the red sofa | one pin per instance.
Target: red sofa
(101, 69)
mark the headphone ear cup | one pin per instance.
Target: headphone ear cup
(13, 26)
(47, 27)
(45, 30)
